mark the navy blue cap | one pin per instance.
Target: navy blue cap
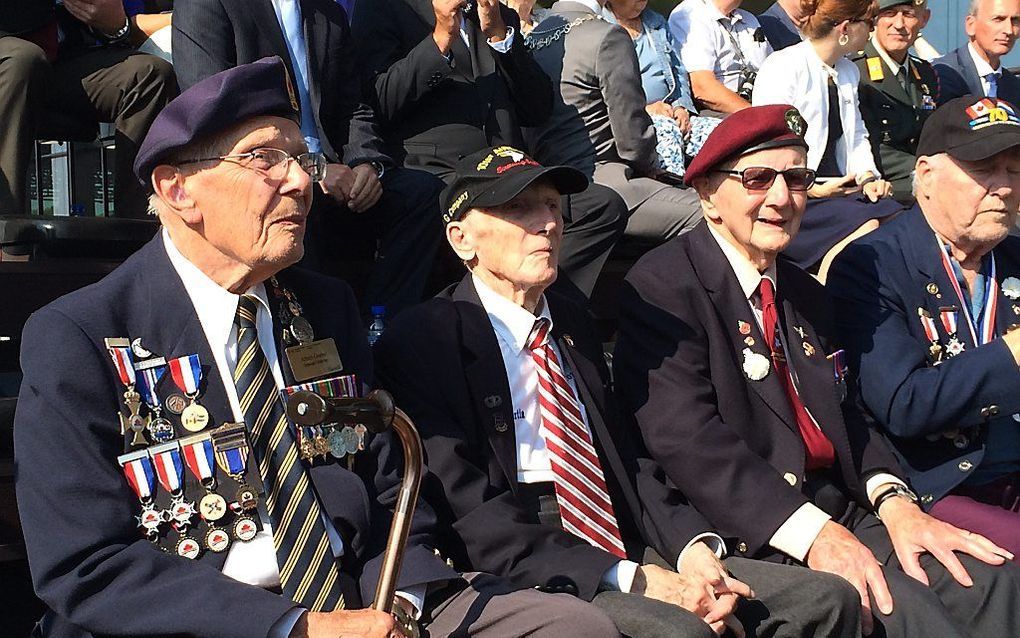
(216, 103)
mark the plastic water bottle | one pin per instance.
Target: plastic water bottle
(375, 330)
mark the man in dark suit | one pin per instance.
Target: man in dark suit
(453, 77)
(286, 541)
(507, 383)
(897, 91)
(928, 309)
(365, 193)
(726, 360)
(53, 85)
(974, 69)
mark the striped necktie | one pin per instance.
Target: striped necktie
(581, 492)
(309, 573)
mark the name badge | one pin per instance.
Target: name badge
(315, 359)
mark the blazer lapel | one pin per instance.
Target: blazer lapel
(487, 384)
(737, 319)
(265, 16)
(969, 70)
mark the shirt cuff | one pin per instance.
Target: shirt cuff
(282, 627)
(504, 45)
(416, 596)
(620, 577)
(877, 481)
(795, 536)
(714, 542)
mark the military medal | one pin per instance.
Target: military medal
(982, 331)
(230, 446)
(187, 375)
(245, 529)
(217, 540)
(175, 403)
(149, 374)
(930, 331)
(949, 315)
(338, 442)
(120, 352)
(138, 471)
(198, 456)
(188, 547)
(166, 459)
(301, 330)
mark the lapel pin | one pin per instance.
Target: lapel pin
(139, 350)
(493, 401)
(749, 341)
(499, 423)
(569, 340)
(809, 350)
(933, 288)
(744, 327)
(756, 366)
(800, 332)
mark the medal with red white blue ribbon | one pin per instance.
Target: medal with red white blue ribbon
(187, 374)
(932, 333)
(138, 471)
(120, 353)
(149, 373)
(980, 334)
(169, 466)
(198, 455)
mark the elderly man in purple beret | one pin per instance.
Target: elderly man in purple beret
(726, 361)
(161, 487)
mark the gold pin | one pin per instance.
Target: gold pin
(809, 350)
(933, 289)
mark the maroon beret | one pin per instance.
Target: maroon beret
(753, 129)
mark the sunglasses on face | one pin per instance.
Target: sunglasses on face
(761, 178)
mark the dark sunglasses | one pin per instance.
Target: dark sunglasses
(760, 178)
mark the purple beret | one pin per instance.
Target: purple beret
(746, 131)
(216, 103)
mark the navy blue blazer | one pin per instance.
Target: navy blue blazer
(89, 561)
(730, 444)
(958, 76)
(778, 27)
(443, 364)
(936, 416)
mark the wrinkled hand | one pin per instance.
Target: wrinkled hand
(357, 623)
(491, 20)
(447, 22)
(366, 190)
(337, 182)
(659, 108)
(105, 16)
(713, 602)
(834, 187)
(701, 564)
(838, 552)
(914, 533)
(683, 119)
(877, 189)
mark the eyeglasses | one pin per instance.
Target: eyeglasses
(760, 178)
(272, 162)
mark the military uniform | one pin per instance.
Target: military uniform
(894, 114)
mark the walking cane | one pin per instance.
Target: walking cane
(377, 413)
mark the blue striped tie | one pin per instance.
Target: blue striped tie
(309, 573)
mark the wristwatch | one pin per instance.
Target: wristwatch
(894, 490)
(380, 170)
(118, 36)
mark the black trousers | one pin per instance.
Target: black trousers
(399, 235)
(593, 221)
(81, 89)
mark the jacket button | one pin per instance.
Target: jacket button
(791, 478)
(927, 498)
(993, 410)
(985, 413)
(965, 465)
(961, 441)
(742, 547)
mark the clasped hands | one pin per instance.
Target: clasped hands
(676, 113)
(913, 533)
(702, 587)
(357, 188)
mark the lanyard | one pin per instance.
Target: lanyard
(986, 331)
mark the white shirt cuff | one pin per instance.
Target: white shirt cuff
(795, 537)
(877, 481)
(416, 596)
(714, 542)
(504, 45)
(620, 577)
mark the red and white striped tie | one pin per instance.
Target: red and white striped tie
(585, 508)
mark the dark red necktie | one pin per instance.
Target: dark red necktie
(818, 449)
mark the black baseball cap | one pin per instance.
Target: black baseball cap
(970, 128)
(494, 176)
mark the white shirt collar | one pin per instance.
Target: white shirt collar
(512, 323)
(214, 304)
(982, 66)
(893, 65)
(747, 274)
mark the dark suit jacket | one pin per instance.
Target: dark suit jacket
(894, 118)
(22, 16)
(778, 27)
(731, 444)
(958, 76)
(879, 283)
(210, 36)
(434, 112)
(443, 364)
(90, 564)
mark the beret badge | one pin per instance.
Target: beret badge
(795, 122)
